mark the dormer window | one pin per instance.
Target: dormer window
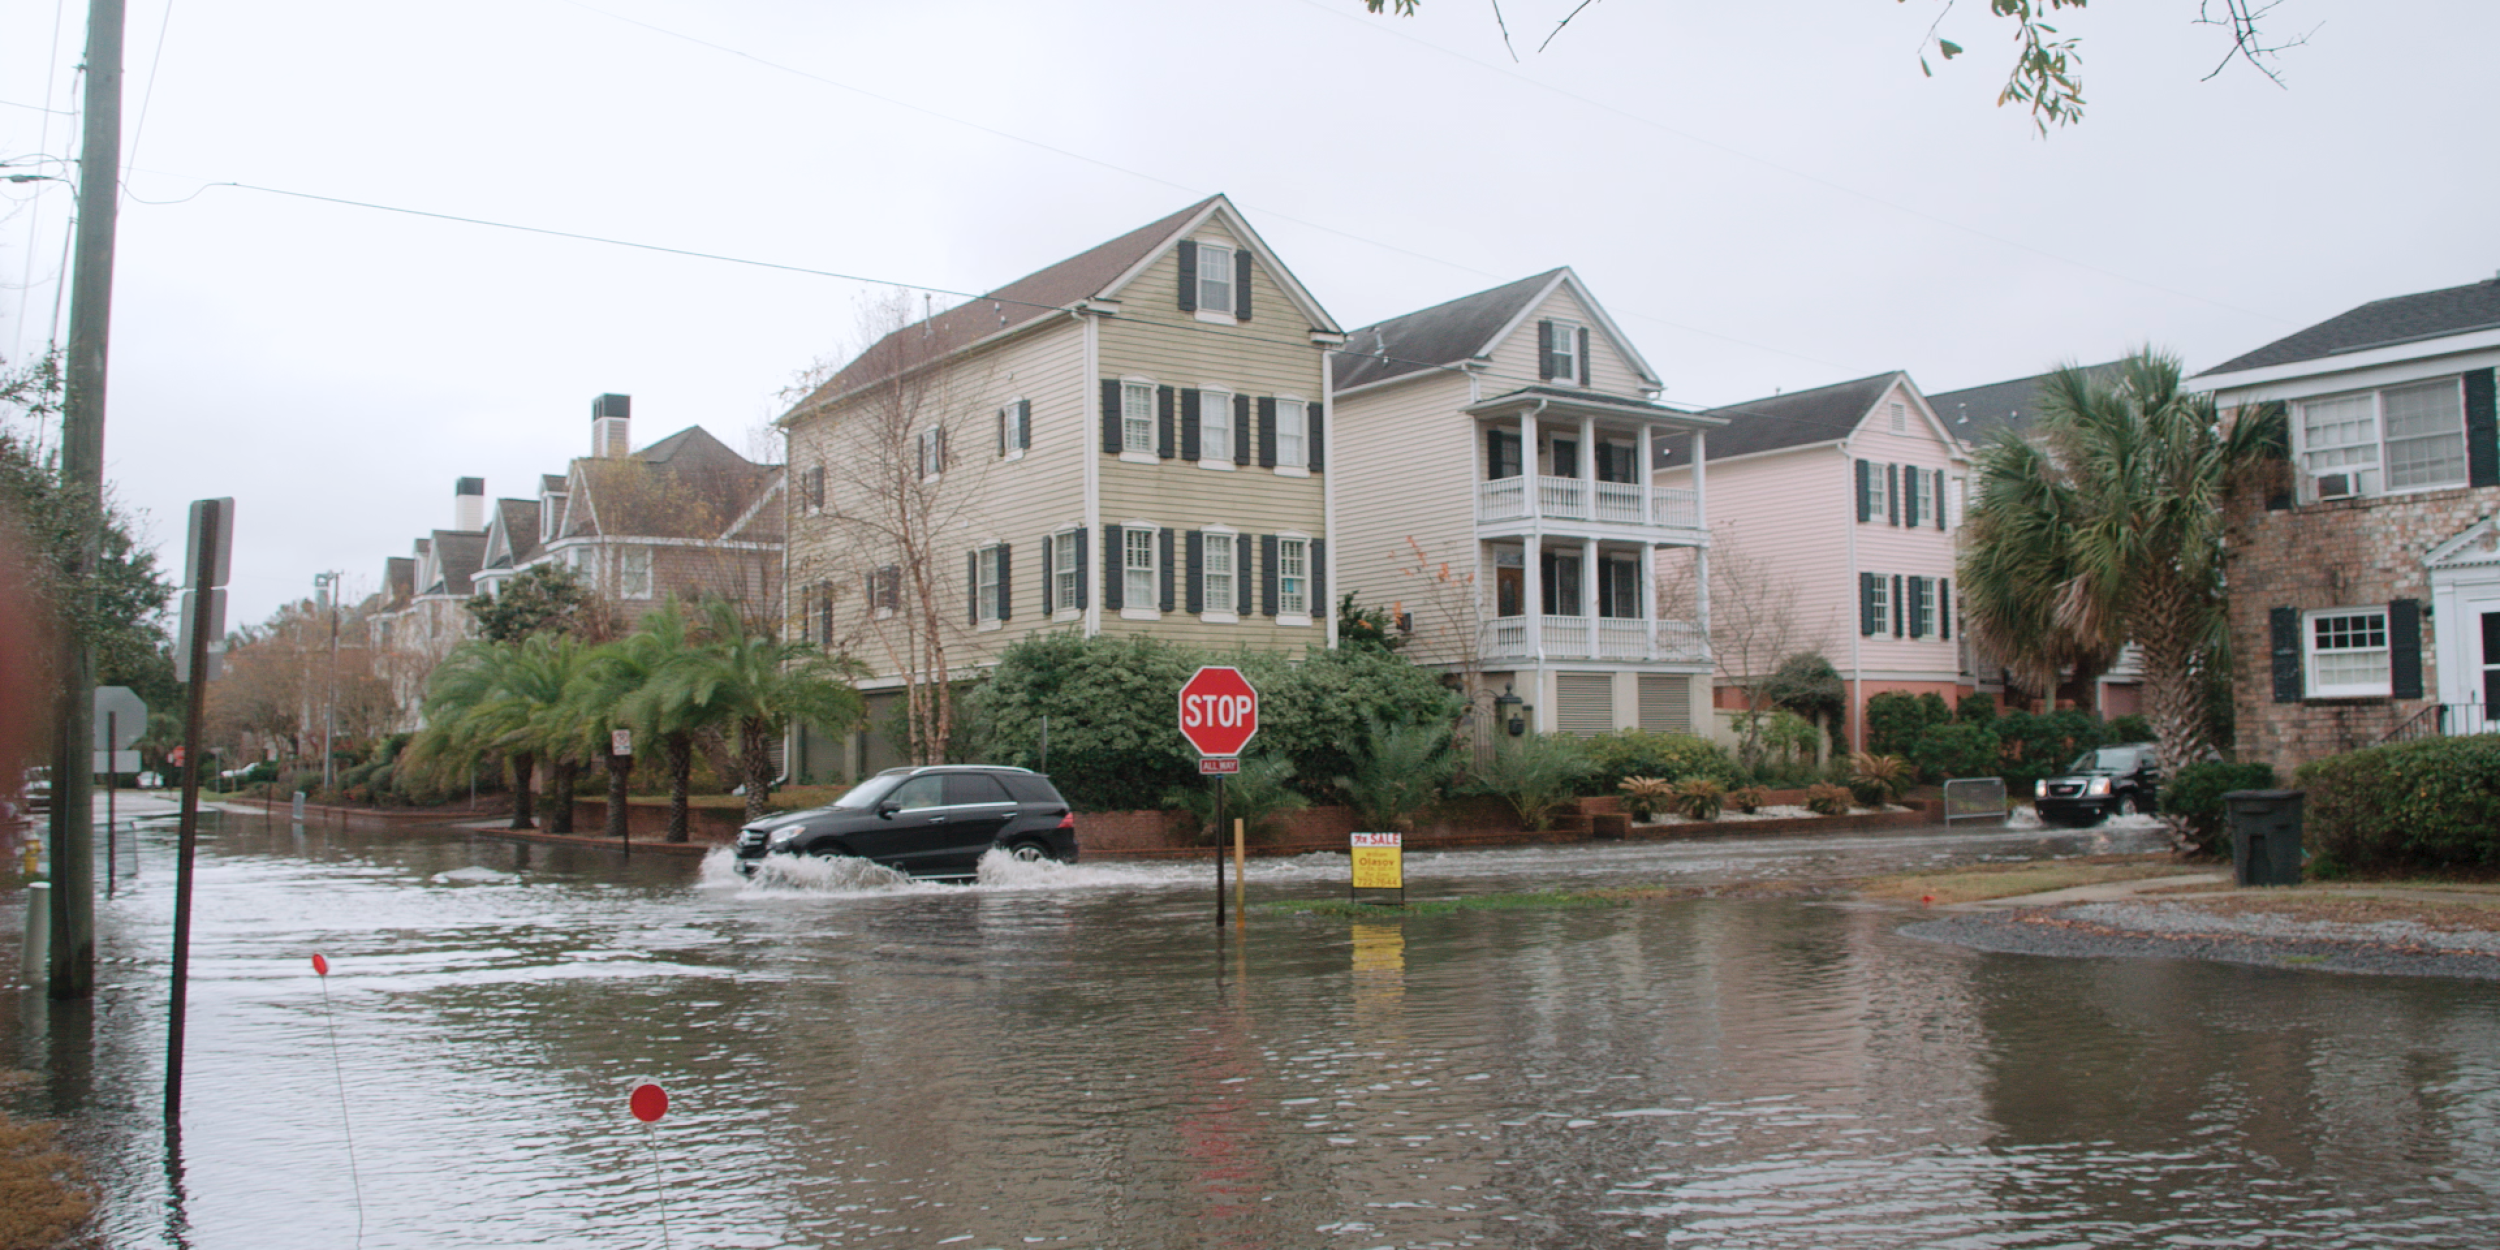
(1215, 278)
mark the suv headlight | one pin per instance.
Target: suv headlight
(2099, 787)
(2040, 788)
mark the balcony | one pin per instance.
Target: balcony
(1578, 499)
(1616, 639)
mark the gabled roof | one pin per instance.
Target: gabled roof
(511, 533)
(1099, 272)
(1797, 418)
(1463, 329)
(551, 483)
(399, 577)
(2381, 323)
(457, 557)
(1974, 414)
(688, 485)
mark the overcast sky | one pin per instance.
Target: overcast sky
(1766, 196)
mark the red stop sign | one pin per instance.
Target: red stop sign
(1219, 710)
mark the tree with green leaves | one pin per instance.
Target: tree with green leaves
(757, 685)
(542, 598)
(2109, 529)
(504, 700)
(633, 671)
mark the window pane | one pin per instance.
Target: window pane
(1215, 425)
(1292, 561)
(1137, 417)
(1215, 278)
(2340, 435)
(1219, 572)
(1291, 423)
(1138, 560)
(1063, 571)
(2425, 435)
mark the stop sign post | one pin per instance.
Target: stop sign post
(1219, 714)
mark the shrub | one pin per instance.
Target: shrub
(1316, 707)
(1748, 799)
(1976, 709)
(2128, 728)
(1875, 780)
(1398, 772)
(1644, 753)
(1256, 796)
(2036, 745)
(1645, 797)
(1894, 720)
(2194, 796)
(1825, 799)
(1533, 774)
(1700, 798)
(2434, 803)
(1956, 749)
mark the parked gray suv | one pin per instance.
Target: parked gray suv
(931, 821)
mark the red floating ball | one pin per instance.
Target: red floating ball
(320, 965)
(649, 1102)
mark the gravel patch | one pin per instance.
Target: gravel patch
(2177, 931)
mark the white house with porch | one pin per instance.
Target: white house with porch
(1496, 492)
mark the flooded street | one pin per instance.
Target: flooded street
(1076, 1057)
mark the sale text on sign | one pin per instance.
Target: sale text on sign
(1377, 862)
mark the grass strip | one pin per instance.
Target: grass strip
(1977, 882)
(43, 1197)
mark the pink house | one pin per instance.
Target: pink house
(1833, 517)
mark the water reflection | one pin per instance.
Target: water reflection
(1069, 1057)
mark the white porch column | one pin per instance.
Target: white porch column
(1649, 571)
(1701, 593)
(1532, 596)
(1644, 474)
(1588, 589)
(1588, 461)
(1701, 495)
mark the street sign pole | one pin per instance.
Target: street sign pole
(1219, 714)
(112, 787)
(212, 538)
(1219, 850)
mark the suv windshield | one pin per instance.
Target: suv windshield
(866, 793)
(2104, 760)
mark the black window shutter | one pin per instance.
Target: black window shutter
(1006, 584)
(1241, 283)
(1111, 416)
(1939, 500)
(1114, 570)
(2404, 649)
(1024, 425)
(1944, 608)
(894, 588)
(2284, 624)
(1241, 574)
(1319, 580)
(1084, 569)
(1584, 355)
(1909, 495)
(1163, 569)
(1241, 429)
(1267, 431)
(1545, 351)
(1049, 563)
(972, 584)
(1866, 604)
(1196, 591)
(1267, 574)
(1312, 458)
(2482, 430)
(1003, 415)
(1163, 422)
(1892, 493)
(1897, 622)
(1189, 424)
(824, 613)
(1866, 502)
(1189, 279)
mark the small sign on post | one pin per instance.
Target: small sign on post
(1219, 766)
(621, 742)
(1219, 715)
(1379, 864)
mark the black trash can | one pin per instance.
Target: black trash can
(2265, 836)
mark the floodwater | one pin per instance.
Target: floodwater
(1076, 1057)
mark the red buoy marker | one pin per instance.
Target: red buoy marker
(649, 1103)
(320, 965)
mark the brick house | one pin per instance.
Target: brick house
(2365, 569)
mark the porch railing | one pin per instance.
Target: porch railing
(1577, 499)
(2443, 720)
(1620, 639)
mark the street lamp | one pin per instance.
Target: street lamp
(1506, 710)
(325, 588)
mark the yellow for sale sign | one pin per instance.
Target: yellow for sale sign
(1377, 863)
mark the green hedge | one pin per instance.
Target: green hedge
(1643, 753)
(2428, 804)
(2195, 795)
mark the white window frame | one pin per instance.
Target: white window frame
(1063, 576)
(986, 586)
(586, 563)
(1878, 496)
(1298, 462)
(1137, 436)
(1135, 606)
(2377, 470)
(1012, 438)
(632, 583)
(932, 452)
(1289, 547)
(1566, 345)
(1880, 605)
(884, 582)
(1214, 453)
(1216, 310)
(2379, 684)
(1221, 609)
(1900, 417)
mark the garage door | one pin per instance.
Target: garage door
(1667, 703)
(1584, 703)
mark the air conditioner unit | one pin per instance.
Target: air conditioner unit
(2338, 485)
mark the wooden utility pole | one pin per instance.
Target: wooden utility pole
(82, 481)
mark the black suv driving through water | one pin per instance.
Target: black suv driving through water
(935, 821)
(2104, 781)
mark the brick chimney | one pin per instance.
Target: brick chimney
(468, 504)
(610, 426)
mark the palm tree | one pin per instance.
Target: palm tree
(502, 698)
(2113, 532)
(632, 674)
(758, 685)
